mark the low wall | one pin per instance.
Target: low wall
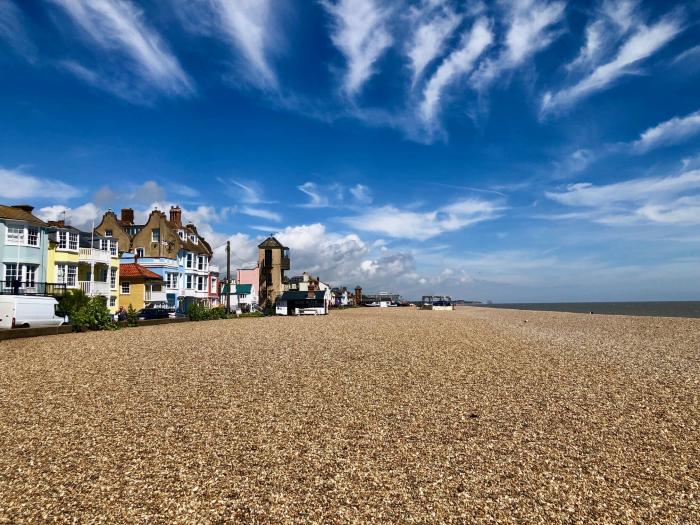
(19, 333)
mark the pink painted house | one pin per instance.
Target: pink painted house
(250, 276)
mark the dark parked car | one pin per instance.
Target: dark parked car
(154, 312)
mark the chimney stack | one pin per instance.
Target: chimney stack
(24, 207)
(176, 215)
(59, 223)
(127, 216)
(311, 294)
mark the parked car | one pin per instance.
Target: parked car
(29, 311)
(155, 312)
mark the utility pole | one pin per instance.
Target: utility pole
(228, 276)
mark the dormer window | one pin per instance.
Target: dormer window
(193, 239)
(182, 235)
(108, 233)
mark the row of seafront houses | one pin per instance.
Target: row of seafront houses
(161, 262)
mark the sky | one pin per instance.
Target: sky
(511, 151)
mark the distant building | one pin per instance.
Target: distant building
(358, 296)
(302, 303)
(273, 261)
(139, 286)
(85, 261)
(23, 250)
(169, 248)
(250, 276)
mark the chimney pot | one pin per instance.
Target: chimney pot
(176, 215)
(127, 216)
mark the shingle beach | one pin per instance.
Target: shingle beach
(365, 415)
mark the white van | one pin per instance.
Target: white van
(28, 311)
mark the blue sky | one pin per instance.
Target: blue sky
(522, 150)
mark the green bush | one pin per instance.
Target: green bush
(93, 316)
(198, 312)
(72, 301)
(218, 312)
(132, 316)
(253, 314)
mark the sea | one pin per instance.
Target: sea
(652, 308)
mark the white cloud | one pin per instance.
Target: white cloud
(643, 43)
(316, 198)
(430, 33)
(673, 131)
(17, 185)
(361, 193)
(118, 27)
(248, 192)
(184, 190)
(457, 64)
(407, 224)
(13, 32)
(81, 217)
(672, 199)
(587, 194)
(248, 25)
(360, 32)
(261, 213)
(530, 30)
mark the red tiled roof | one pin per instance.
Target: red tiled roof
(136, 270)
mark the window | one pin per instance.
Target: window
(155, 235)
(33, 236)
(171, 280)
(268, 258)
(201, 287)
(108, 233)
(30, 278)
(73, 241)
(126, 287)
(72, 276)
(268, 279)
(66, 274)
(188, 282)
(15, 235)
(62, 240)
(112, 301)
(139, 252)
(113, 278)
(189, 262)
(113, 248)
(10, 273)
(201, 262)
(60, 273)
(181, 234)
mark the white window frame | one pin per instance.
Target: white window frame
(154, 237)
(201, 283)
(72, 276)
(171, 280)
(189, 284)
(73, 241)
(37, 233)
(15, 268)
(113, 248)
(125, 285)
(113, 278)
(112, 301)
(141, 250)
(108, 233)
(62, 237)
(14, 235)
(189, 260)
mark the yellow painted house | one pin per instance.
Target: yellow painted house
(85, 261)
(138, 285)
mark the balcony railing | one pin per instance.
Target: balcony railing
(94, 288)
(93, 255)
(156, 297)
(32, 288)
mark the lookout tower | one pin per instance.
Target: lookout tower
(273, 260)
